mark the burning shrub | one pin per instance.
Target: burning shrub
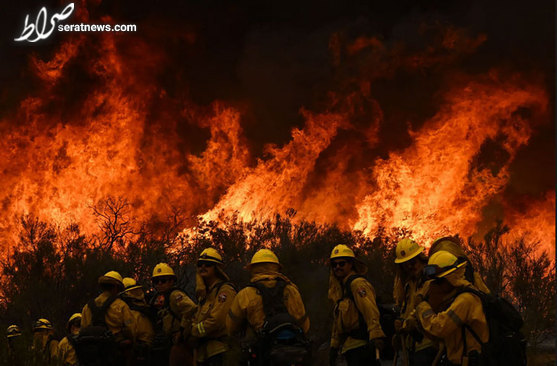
(61, 266)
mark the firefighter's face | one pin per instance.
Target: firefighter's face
(341, 267)
(74, 328)
(442, 285)
(163, 283)
(413, 267)
(206, 269)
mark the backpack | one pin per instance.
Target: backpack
(506, 344)
(162, 342)
(95, 344)
(281, 341)
(387, 316)
(143, 308)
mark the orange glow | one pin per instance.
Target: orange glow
(536, 223)
(58, 161)
(434, 187)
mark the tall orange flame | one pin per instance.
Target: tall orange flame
(117, 136)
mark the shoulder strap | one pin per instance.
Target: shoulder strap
(465, 327)
(47, 346)
(71, 340)
(348, 286)
(229, 283)
(99, 312)
(143, 309)
(361, 331)
(471, 290)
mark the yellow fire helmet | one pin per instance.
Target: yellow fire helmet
(407, 249)
(264, 256)
(74, 316)
(13, 331)
(163, 269)
(113, 278)
(342, 251)
(74, 319)
(442, 264)
(210, 255)
(130, 284)
(42, 324)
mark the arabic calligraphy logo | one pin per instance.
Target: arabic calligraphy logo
(39, 28)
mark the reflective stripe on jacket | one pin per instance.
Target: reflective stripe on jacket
(209, 324)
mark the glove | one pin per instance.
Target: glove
(378, 343)
(417, 335)
(398, 325)
(423, 292)
(333, 354)
(409, 325)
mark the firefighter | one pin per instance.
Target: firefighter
(174, 314)
(247, 313)
(16, 351)
(215, 293)
(134, 296)
(356, 331)
(66, 347)
(117, 318)
(45, 347)
(453, 246)
(414, 347)
(447, 273)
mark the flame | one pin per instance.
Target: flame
(101, 124)
(58, 165)
(536, 224)
(276, 185)
(435, 187)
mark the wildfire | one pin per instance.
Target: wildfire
(436, 186)
(121, 134)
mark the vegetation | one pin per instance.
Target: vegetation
(53, 272)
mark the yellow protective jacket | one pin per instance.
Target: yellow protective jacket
(118, 317)
(466, 308)
(209, 324)
(248, 304)
(346, 315)
(45, 349)
(406, 300)
(175, 309)
(66, 353)
(18, 353)
(144, 330)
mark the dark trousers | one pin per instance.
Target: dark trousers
(361, 356)
(216, 360)
(423, 357)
